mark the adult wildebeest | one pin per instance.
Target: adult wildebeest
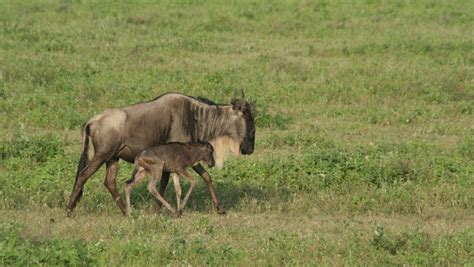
(122, 133)
(174, 158)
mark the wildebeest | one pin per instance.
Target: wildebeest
(122, 133)
(174, 158)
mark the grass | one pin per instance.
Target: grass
(364, 147)
(239, 238)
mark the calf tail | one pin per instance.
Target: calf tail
(85, 154)
(135, 170)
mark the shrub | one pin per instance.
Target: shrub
(37, 148)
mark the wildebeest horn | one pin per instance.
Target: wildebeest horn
(234, 94)
(242, 95)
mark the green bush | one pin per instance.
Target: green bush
(15, 250)
(37, 148)
(266, 119)
(419, 248)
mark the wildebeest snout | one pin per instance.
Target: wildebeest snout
(246, 149)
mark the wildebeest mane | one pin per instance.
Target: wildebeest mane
(204, 122)
(198, 98)
(205, 101)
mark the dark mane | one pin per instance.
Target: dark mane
(205, 100)
(201, 99)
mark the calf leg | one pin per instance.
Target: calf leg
(111, 183)
(192, 181)
(138, 177)
(156, 171)
(203, 173)
(91, 167)
(177, 190)
(165, 177)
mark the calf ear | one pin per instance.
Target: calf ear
(210, 146)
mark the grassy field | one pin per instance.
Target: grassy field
(365, 130)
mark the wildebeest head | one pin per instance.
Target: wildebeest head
(231, 129)
(245, 134)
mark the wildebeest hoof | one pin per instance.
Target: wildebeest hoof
(157, 209)
(178, 213)
(221, 211)
(69, 213)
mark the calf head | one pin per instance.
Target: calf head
(206, 151)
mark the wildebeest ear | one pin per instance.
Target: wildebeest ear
(242, 95)
(235, 104)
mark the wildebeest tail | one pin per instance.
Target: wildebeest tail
(85, 153)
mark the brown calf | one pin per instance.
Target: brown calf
(173, 158)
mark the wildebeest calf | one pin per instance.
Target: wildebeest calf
(174, 158)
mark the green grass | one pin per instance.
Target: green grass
(365, 130)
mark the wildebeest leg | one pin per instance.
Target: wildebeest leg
(139, 175)
(203, 173)
(91, 167)
(165, 177)
(192, 181)
(156, 172)
(111, 184)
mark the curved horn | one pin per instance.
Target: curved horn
(242, 95)
(234, 94)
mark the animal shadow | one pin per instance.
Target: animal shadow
(230, 194)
